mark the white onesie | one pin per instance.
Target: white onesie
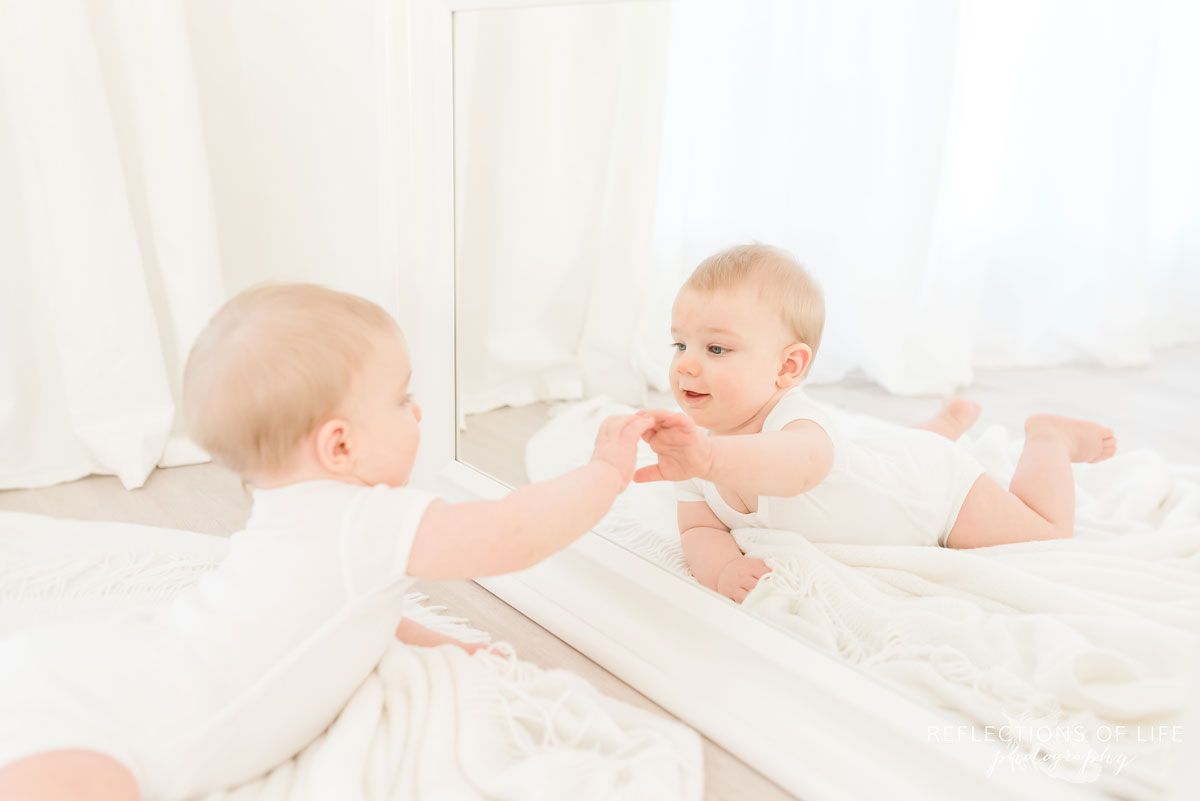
(889, 485)
(240, 671)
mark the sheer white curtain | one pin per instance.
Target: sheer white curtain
(975, 183)
(108, 247)
(556, 127)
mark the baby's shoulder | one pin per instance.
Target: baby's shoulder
(796, 407)
(689, 490)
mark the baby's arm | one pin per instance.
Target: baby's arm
(712, 555)
(778, 463)
(486, 538)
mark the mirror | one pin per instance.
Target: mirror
(602, 151)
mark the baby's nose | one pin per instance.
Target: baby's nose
(686, 365)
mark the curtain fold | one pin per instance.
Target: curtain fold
(109, 253)
(556, 149)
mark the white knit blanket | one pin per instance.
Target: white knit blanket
(1094, 637)
(428, 723)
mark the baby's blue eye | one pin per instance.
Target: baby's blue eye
(716, 350)
(678, 346)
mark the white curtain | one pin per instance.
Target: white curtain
(290, 98)
(108, 246)
(974, 183)
(556, 151)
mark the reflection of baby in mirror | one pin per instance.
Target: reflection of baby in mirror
(304, 392)
(746, 325)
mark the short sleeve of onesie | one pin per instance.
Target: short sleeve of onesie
(795, 405)
(378, 533)
(690, 490)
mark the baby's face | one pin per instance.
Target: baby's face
(383, 416)
(728, 354)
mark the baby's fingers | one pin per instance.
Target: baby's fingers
(614, 426)
(611, 426)
(746, 586)
(635, 427)
(658, 415)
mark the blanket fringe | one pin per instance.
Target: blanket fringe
(125, 575)
(871, 649)
(623, 526)
(573, 720)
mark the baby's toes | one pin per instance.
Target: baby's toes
(961, 411)
(1108, 447)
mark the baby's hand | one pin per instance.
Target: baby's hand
(684, 450)
(740, 576)
(617, 442)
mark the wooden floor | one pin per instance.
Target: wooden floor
(1151, 407)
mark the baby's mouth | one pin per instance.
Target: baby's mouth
(694, 397)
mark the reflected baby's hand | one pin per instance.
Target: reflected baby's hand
(740, 576)
(617, 442)
(684, 449)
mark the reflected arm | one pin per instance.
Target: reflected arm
(780, 463)
(707, 544)
(708, 551)
(777, 463)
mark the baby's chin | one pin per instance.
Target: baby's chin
(702, 419)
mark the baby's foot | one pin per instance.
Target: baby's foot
(960, 413)
(1085, 441)
(955, 417)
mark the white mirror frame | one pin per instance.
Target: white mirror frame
(816, 726)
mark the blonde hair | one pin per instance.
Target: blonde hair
(271, 365)
(782, 283)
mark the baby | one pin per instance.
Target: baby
(305, 392)
(747, 324)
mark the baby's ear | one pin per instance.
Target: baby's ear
(796, 358)
(333, 446)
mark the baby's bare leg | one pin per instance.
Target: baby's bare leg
(66, 776)
(1040, 501)
(954, 418)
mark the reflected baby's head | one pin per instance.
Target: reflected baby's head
(296, 381)
(746, 325)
